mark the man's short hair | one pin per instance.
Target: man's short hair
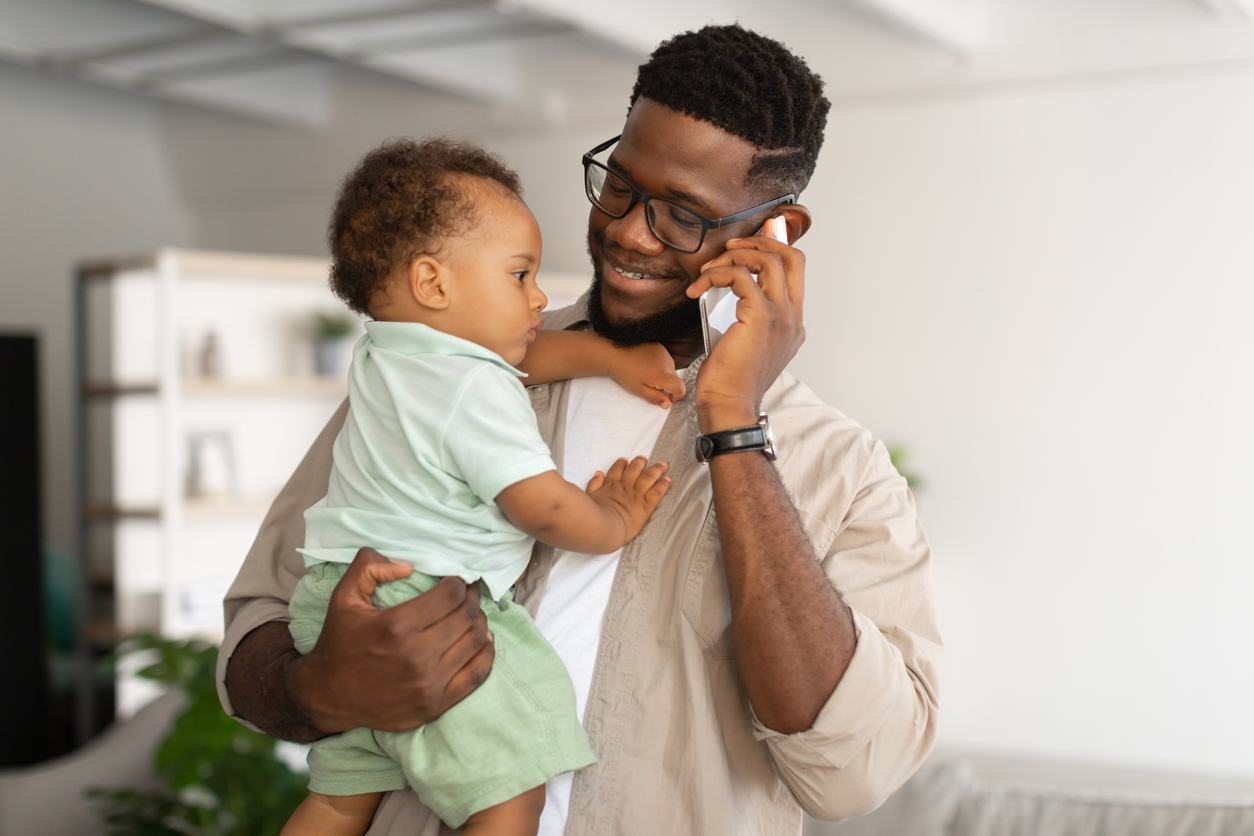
(752, 87)
(402, 200)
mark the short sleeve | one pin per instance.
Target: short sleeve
(491, 438)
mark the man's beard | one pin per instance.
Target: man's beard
(683, 319)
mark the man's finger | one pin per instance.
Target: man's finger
(793, 260)
(768, 266)
(368, 570)
(444, 633)
(470, 676)
(736, 277)
(465, 647)
(446, 599)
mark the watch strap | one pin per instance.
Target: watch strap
(739, 439)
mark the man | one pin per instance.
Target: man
(768, 643)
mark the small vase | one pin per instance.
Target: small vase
(328, 354)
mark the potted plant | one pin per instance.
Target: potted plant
(329, 333)
(219, 778)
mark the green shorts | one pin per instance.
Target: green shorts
(513, 733)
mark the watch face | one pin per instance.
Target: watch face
(705, 448)
(765, 424)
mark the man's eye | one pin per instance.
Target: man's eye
(683, 219)
(617, 189)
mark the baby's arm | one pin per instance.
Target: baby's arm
(600, 520)
(645, 370)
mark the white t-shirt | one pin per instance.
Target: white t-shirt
(603, 422)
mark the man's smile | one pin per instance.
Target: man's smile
(632, 279)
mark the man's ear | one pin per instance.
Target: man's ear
(428, 283)
(798, 219)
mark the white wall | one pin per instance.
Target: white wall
(1047, 296)
(83, 172)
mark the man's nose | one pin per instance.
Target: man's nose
(631, 232)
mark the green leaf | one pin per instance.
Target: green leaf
(221, 779)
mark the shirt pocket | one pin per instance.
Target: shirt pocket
(706, 603)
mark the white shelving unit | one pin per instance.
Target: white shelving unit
(155, 556)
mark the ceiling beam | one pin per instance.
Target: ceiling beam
(473, 70)
(1228, 8)
(637, 27)
(953, 25)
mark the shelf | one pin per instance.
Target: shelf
(200, 386)
(114, 390)
(194, 508)
(226, 507)
(109, 511)
(205, 387)
(219, 265)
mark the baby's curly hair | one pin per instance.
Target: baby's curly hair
(403, 199)
(752, 87)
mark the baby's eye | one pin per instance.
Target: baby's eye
(521, 275)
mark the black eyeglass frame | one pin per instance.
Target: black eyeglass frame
(638, 196)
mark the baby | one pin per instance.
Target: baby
(440, 464)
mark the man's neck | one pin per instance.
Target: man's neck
(685, 349)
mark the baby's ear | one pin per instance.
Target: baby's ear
(428, 283)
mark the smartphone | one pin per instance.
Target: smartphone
(718, 304)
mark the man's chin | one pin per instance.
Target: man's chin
(681, 320)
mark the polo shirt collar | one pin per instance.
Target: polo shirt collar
(410, 338)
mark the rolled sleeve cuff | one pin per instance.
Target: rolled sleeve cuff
(821, 765)
(249, 617)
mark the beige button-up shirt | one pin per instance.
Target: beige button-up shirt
(678, 747)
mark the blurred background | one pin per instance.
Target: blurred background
(1031, 271)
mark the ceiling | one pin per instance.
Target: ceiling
(276, 59)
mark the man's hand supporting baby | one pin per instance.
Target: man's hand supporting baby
(392, 669)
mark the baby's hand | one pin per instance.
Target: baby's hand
(631, 490)
(648, 370)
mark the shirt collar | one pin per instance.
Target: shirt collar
(410, 338)
(572, 318)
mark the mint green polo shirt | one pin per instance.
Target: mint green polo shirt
(437, 426)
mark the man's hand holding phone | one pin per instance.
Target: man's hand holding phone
(768, 330)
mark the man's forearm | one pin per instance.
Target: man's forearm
(793, 635)
(256, 679)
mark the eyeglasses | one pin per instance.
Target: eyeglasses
(675, 226)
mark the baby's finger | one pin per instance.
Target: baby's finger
(634, 469)
(595, 483)
(650, 476)
(674, 384)
(615, 473)
(655, 395)
(654, 494)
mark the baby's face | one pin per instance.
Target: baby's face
(494, 299)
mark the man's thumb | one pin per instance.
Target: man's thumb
(368, 570)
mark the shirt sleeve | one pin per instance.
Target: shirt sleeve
(880, 722)
(491, 438)
(264, 585)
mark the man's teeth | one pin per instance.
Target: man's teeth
(628, 274)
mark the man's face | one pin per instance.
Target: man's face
(639, 282)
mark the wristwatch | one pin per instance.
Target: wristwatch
(740, 440)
